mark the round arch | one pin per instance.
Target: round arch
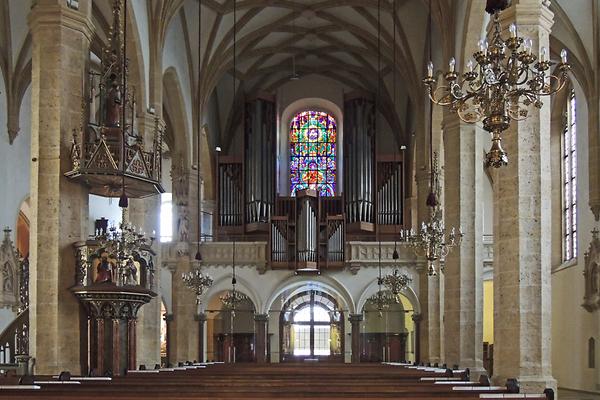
(296, 284)
(223, 284)
(283, 127)
(373, 287)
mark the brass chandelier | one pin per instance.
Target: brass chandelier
(507, 79)
(433, 241)
(198, 282)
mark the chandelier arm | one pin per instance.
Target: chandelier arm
(561, 82)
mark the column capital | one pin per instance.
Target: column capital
(52, 13)
(354, 318)
(261, 317)
(528, 13)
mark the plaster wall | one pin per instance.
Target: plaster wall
(572, 325)
(15, 161)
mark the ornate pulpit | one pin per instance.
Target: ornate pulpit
(112, 290)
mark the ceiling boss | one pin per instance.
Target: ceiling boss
(506, 79)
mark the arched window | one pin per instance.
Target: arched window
(569, 164)
(313, 161)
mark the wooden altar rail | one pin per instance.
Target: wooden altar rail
(283, 381)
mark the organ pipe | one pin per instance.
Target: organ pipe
(259, 159)
(359, 163)
(389, 193)
(230, 193)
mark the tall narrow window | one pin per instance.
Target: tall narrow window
(313, 153)
(570, 181)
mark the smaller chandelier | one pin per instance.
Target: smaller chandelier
(396, 282)
(505, 81)
(232, 299)
(433, 241)
(124, 241)
(198, 282)
(383, 299)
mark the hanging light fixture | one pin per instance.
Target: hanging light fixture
(506, 80)
(233, 298)
(196, 281)
(198, 256)
(431, 241)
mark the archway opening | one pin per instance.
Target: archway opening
(230, 328)
(388, 330)
(311, 326)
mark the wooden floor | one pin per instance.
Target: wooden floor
(270, 381)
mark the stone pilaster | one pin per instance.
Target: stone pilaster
(422, 342)
(144, 213)
(261, 322)
(522, 233)
(463, 303)
(201, 318)
(433, 329)
(355, 320)
(184, 343)
(60, 48)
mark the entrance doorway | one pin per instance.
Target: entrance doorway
(311, 328)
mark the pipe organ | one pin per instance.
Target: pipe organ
(305, 236)
(230, 195)
(308, 232)
(389, 192)
(259, 160)
(359, 162)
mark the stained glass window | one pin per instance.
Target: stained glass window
(313, 137)
(569, 161)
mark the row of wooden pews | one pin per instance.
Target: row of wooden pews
(266, 381)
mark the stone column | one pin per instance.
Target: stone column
(433, 328)
(355, 320)
(145, 213)
(423, 178)
(417, 319)
(201, 318)
(184, 341)
(463, 303)
(261, 323)
(522, 233)
(169, 320)
(60, 49)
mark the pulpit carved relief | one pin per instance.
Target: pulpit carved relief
(9, 273)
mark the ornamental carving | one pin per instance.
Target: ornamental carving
(591, 273)
(10, 273)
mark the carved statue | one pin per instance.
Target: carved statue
(113, 103)
(105, 270)
(180, 184)
(130, 272)
(7, 278)
(183, 224)
(591, 273)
